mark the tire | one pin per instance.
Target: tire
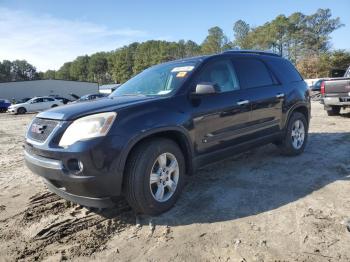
(138, 190)
(289, 145)
(53, 106)
(335, 110)
(21, 110)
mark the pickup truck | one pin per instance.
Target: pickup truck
(336, 94)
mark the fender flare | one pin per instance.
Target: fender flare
(135, 140)
(293, 108)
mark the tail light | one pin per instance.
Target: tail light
(322, 87)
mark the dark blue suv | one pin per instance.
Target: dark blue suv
(161, 125)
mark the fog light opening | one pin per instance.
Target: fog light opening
(75, 166)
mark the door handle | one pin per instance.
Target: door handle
(280, 95)
(242, 102)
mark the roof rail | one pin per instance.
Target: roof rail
(243, 51)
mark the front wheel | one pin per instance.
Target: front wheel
(155, 175)
(21, 110)
(295, 136)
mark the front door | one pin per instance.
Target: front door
(36, 105)
(220, 119)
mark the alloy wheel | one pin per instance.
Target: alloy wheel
(164, 177)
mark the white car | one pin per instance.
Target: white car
(34, 105)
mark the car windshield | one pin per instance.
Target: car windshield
(86, 97)
(156, 81)
(347, 74)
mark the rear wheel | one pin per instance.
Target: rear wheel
(155, 175)
(335, 110)
(295, 136)
(21, 110)
(54, 105)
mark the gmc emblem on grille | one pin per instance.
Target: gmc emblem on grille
(39, 129)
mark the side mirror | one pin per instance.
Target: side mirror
(205, 89)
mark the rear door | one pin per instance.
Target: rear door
(266, 95)
(47, 103)
(220, 120)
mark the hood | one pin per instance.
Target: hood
(75, 110)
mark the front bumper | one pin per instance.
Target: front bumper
(98, 184)
(12, 110)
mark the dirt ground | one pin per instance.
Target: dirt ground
(257, 206)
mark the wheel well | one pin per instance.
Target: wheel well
(179, 138)
(303, 110)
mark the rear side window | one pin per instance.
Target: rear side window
(284, 70)
(252, 73)
(48, 99)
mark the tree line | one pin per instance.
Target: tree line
(303, 39)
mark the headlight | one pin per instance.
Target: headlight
(88, 127)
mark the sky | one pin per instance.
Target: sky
(49, 33)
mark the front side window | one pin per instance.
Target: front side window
(36, 100)
(156, 81)
(252, 73)
(221, 75)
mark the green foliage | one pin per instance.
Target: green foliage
(64, 72)
(49, 74)
(79, 69)
(5, 71)
(293, 37)
(304, 39)
(17, 70)
(316, 66)
(240, 31)
(215, 42)
(121, 64)
(98, 67)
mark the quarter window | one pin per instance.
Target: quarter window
(252, 73)
(221, 74)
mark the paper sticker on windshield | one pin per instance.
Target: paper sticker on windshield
(181, 74)
(182, 69)
(164, 92)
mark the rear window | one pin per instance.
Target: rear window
(46, 99)
(284, 70)
(252, 73)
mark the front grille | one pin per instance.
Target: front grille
(40, 129)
